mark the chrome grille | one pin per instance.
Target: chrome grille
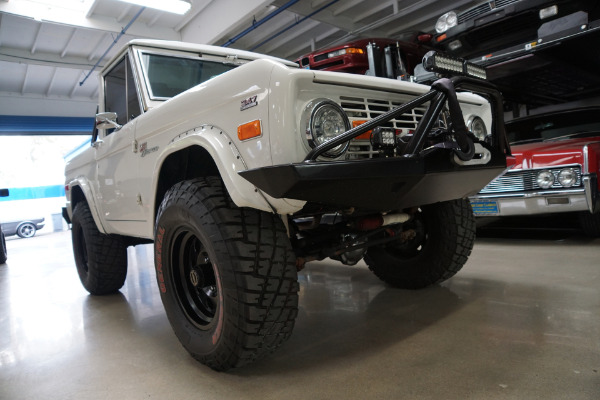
(364, 109)
(473, 12)
(480, 9)
(523, 180)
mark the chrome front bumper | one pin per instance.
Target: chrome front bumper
(538, 202)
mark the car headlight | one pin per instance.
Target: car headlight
(545, 179)
(567, 177)
(446, 22)
(348, 50)
(325, 120)
(477, 127)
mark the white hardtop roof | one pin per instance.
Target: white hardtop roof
(206, 49)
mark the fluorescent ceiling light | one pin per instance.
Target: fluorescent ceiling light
(172, 6)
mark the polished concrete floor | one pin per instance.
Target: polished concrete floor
(520, 321)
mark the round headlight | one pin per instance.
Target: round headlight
(477, 127)
(545, 179)
(446, 22)
(326, 121)
(567, 177)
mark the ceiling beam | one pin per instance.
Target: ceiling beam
(25, 79)
(47, 59)
(297, 31)
(66, 48)
(49, 88)
(154, 19)
(299, 50)
(95, 22)
(96, 48)
(346, 6)
(124, 13)
(37, 38)
(92, 9)
(197, 7)
(374, 10)
(94, 95)
(221, 20)
(75, 85)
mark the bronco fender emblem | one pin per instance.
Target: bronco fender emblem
(249, 102)
(145, 150)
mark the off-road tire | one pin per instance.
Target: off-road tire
(101, 259)
(445, 237)
(590, 223)
(3, 252)
(226, 275)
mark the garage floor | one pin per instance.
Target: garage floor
(520, 321)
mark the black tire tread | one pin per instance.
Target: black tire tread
(3, 252)
(590, 223)
(107, 255)
(457, 233)
(264, 269)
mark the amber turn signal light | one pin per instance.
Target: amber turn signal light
(249, 130)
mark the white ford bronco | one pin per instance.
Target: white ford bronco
(240, 168)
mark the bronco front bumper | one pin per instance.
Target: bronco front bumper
(416, 177)
(377, 184)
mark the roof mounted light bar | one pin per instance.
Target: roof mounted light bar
(447, 65)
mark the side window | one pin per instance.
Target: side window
(133, 103)
(120, 95)
(115, 92)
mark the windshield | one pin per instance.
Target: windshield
(554, 126)
(167, 76)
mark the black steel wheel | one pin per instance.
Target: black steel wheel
(26, 230)
(101, 259)
(438, 241)
(226, 275)
(194, 278)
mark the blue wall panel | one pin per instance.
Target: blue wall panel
(25, 125)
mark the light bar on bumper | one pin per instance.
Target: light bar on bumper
(444, 64)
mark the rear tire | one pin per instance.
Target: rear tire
(226, 275)
(445, 233)
(101, 259)
(590, 223)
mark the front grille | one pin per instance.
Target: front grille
(473, 12)
(523, 180)
(329, 64)
(483, 8)
(320, 57)
(364, 109)
(510, 31)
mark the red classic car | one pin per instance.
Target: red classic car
(353, 57)
(557, 159)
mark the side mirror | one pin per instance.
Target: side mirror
(107, 120)
(3, 192)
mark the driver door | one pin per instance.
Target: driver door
(115, 158)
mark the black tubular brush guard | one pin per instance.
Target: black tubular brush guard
(413, 178)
